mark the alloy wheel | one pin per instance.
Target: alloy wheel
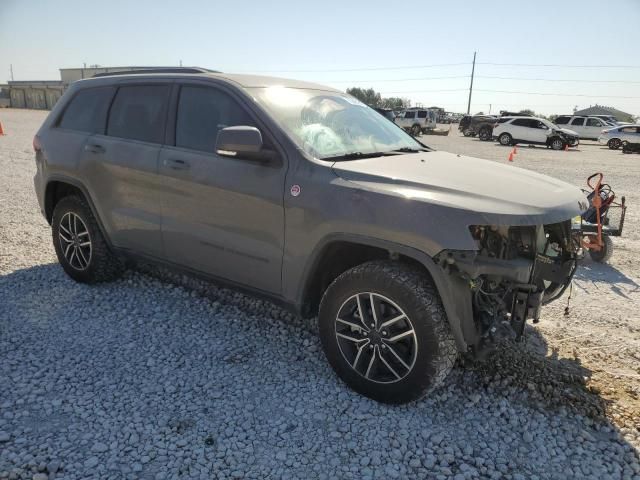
(376, 337)
(75, 241)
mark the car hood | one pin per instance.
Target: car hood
(477, 190)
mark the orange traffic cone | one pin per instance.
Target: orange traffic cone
(1, 129)
(515, 150)
(511, 157)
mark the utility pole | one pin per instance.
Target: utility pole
(473, 69)
(181, 63)
(11, 70)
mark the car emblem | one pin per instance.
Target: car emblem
(295, 190)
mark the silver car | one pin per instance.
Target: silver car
(613, 137)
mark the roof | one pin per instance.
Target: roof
(602, 110)
(243, 80)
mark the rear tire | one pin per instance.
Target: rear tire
(416, 130)
(81, 249)
(505, 139)
(360, 347)
(467, 132)
(614, 143)
(603, 255)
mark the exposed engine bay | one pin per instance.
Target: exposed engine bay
(515, 271)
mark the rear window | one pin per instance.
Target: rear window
(562, 120)
(522, 122)
(87, 111)
(138, 113)
(594, 122)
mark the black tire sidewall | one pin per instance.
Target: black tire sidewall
(505, 135)
(553, 141)
(74, 205)
(614, 144)
(421, 376)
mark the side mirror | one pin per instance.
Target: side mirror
(232, 141)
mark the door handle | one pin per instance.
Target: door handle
(94, 148)
(177, 164)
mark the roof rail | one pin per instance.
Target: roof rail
(157, 70)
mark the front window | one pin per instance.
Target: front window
(332, 125)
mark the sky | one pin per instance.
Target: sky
(550, 56)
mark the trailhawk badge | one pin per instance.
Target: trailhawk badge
(295, 190)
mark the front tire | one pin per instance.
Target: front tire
(557, 143)
(385, 333)
(485, 135)
(467, 132)
(80, 247)
(416, 130)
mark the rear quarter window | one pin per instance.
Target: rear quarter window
(562, 120)
(422, 114)
(87, 110)
(139, 113)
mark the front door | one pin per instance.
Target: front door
(222, 216)
(593, 127)
(577, 125)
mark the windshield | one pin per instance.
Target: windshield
(330, 125)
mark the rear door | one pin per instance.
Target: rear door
(121, 167)
(222, 216)
(519, 129)
(577, 125)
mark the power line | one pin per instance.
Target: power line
(367, 69)
(510, 91)
(555, 65)
(397, 79)
(557, 79)
(557, 94)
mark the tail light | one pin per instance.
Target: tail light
(37, 147)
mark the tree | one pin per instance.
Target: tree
(369, 96)
(372, 98)
(395, 103)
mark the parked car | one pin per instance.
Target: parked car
(586, 127)
(301, 193)
(387, 113)
(613, 137)
(532, 130)
(480, 125)
(416, 121)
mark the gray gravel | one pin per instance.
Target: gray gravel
(144, 378)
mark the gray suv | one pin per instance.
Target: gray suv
(303, 194)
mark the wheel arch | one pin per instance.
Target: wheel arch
(58, 187)
(338, 253)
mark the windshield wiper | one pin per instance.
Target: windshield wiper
(357, 155)
(410, 150)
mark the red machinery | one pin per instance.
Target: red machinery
(594, 230)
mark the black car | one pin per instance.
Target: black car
(480, 125)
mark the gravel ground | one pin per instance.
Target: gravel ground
(161, 376)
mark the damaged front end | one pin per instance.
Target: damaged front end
(514, 272)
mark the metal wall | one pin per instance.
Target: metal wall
(35, 98)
